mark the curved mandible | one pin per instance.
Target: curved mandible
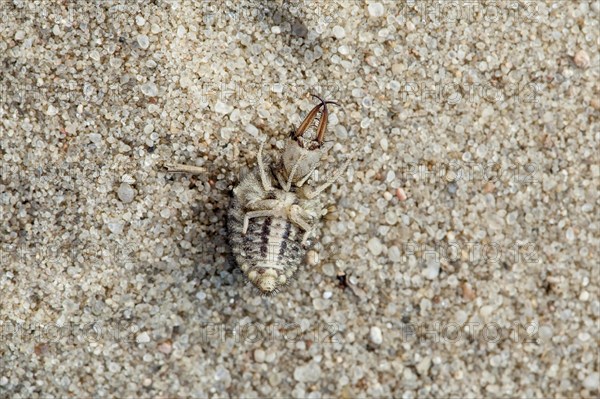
(322, 127)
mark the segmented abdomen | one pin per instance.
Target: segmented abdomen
(271, 243)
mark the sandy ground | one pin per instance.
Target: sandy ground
(463, 256)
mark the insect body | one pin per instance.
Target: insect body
(274, 211)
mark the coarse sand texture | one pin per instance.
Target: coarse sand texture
(461, 259)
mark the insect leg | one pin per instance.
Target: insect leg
(262, 205)
(297, 216)
(279, 179)
(310, 193)
(305, 178)
(288, 185)
(263, 175)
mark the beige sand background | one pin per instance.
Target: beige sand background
(463, 258)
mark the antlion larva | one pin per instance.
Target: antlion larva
(274, 209)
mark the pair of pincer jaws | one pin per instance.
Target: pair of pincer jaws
(321, 127)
